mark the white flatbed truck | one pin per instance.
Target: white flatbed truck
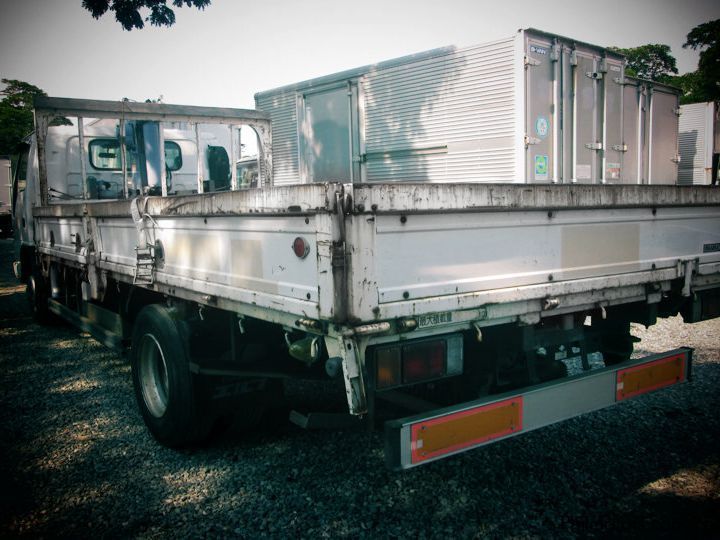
(460, 303)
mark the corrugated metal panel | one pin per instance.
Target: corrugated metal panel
(283, 115)
(694, 140)
(443, 119)
(490, 165)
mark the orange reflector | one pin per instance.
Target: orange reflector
(651, 376)
(457, 431)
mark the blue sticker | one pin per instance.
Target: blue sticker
(542, 126)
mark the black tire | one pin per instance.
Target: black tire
(37, 295)
(166, 391)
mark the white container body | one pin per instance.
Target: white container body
(532, 108)
(696, 143)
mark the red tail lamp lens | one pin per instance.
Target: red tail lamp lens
(301, 247)
(423, 361)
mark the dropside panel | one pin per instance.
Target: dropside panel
(462, 253)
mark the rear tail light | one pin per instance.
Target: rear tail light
(418, 361)
(387, 361)
(423, 361)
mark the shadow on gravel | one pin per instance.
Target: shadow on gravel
(598, 475)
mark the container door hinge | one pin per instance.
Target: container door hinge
(594, 146)
(677, 112)
(555, 52)
(594, 75)
(676, 159)
(531, 140)
(531, 61)
(620, 147)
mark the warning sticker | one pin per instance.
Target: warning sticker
(583, 172)
(612, 171)
(541, 167)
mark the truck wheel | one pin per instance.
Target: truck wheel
(37, 295)
(165, 390)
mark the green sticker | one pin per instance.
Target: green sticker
(541, 167)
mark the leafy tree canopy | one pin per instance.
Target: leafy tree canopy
(706, 38)
(653, 61)
(128, 12)
(16, 117)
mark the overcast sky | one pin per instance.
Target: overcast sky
(223, 55)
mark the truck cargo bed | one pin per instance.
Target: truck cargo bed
(411, 249)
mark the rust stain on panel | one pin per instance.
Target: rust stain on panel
(594, 245)
(246, 258)
(195, 252)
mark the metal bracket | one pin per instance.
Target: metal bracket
(531, 140)
(620, 147)
(676, 159)
(688, 269)
(144, 265)
(347, 349)
(596, 75)
(594, 146)
(531, 61)
(677, 112)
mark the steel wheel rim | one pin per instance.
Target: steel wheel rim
(31, 293)
(153, 376)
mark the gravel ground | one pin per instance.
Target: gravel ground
(77, 461)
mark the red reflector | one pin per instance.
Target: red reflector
(423, 361)
(301, 247)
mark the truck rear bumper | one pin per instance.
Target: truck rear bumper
(421, 439)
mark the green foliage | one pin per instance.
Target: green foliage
(689, 83)
(706, 37)
(16, 117)
(656, 62)
(653, 61)
(127, 12)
